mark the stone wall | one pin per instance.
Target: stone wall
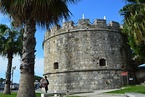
(85, 56)
(84, 80)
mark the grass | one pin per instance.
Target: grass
(138, 89)
(75, 96)
(14, 94)
(38, 94)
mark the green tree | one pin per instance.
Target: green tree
(2, 80)
(37, 77)
(137, 49)
(31, 13)
(134, 21)
(10, 44)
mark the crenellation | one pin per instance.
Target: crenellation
(47, 34)
(55, 28)
(83, 22)
(69, 24)
(100, 22)
(114, 25)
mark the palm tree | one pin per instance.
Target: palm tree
(31, 13)
(134, 19)
(10, 44)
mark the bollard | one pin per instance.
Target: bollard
(67, 93)
(55, 95)
(42, 95)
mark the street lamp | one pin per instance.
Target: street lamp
(13, 68)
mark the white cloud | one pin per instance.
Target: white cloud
(39, 64)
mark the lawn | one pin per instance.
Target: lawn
(13, 94)
(74, 96)
(138, 89)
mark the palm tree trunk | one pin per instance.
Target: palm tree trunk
(7, 89)
(26, 87)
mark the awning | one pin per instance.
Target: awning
(141, 66)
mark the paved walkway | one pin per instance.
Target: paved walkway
(132, 94)
(97, 93)
(102, 93)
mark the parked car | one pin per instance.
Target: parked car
(14, 86)
(36, 84)
(2, 86)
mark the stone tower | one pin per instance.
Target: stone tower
(85, 56)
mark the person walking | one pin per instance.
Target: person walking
(47, 83)
(44, 83)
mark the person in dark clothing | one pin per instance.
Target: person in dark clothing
(46, 86)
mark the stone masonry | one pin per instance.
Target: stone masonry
(85, 56)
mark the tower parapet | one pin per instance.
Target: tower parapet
(83, 24)
(114, 25)
(67, 25)
(100, 23)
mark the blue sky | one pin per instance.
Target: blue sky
(92, 9)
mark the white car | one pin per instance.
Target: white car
(14, 86)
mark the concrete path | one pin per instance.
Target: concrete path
(100, 93)
(132, 94)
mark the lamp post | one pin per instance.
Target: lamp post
(13, 68)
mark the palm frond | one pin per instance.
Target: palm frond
(10, 41)
(44, 12)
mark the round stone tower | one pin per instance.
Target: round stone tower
(85, 56)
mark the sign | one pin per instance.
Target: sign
(130, 78)
(124, 73)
